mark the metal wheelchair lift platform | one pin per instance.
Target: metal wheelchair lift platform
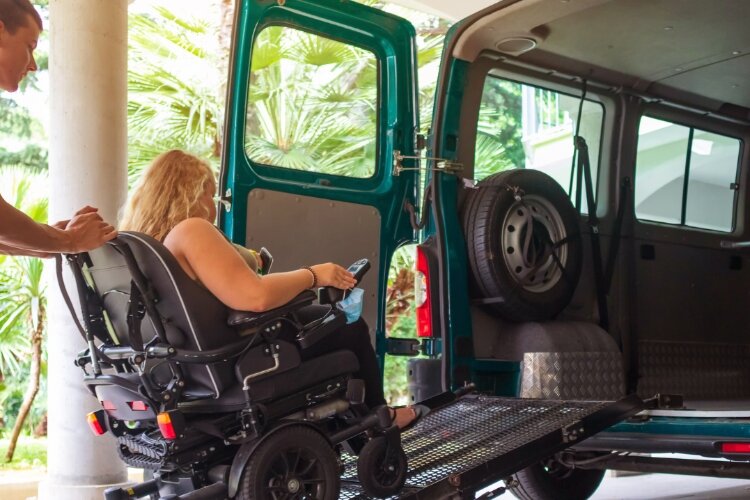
(469, 442)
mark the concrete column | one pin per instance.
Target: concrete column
(88, 165)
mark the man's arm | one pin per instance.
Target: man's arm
(6, 250)
(85, 231)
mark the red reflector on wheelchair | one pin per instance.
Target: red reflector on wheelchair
(138, 406)
(96, 422)
(171, 424)
(735, 447)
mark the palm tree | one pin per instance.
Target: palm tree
(173, 88)
(23, 315)
(327, 126)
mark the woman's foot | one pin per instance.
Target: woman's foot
(403, 416)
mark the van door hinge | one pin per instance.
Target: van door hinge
(226, 200)
(441, 164)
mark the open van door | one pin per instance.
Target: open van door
(320, 96)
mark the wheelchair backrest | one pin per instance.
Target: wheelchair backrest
(187, 315)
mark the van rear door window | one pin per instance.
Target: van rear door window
(521, 126)
(312, 105)
(685, 176)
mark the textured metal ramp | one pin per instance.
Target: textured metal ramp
(476, 440)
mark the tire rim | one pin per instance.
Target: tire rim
(295, 473)
(388, 470)
(530, 229)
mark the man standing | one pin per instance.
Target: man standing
(20, 26)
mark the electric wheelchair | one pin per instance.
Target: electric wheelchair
(217, 403)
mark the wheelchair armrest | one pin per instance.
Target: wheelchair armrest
(332, 321)
(214, 355)
(249, 319)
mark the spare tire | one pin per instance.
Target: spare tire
(524, 244)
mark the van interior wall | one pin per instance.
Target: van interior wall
(677, 302)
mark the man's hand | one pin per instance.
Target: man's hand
(86, 230)
(62, 224)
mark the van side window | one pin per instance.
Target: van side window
(312, 104)
(685, 176)
(521, 126)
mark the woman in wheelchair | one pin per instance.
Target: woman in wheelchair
(174, 203)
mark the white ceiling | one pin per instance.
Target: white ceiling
(450, 9)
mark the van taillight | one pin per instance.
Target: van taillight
(742, 447)
(422, 296)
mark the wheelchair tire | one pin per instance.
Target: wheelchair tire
(381, 469)
(293, 462)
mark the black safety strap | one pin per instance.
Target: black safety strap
(136, 312)
(584, 165)
(147, 294)
(66, 297)
(614, 246)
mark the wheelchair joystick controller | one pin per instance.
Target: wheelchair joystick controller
(331, 295)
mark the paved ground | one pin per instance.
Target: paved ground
(671, 487)
(22, 486)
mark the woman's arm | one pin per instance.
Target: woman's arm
(205, 254)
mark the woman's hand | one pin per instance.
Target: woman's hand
(330, 274)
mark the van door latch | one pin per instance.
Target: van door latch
(441, 164)
(402, 347)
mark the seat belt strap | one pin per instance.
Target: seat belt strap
(584, 165)
(614, 247)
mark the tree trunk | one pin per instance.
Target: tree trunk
(33, 387)
(224, 41)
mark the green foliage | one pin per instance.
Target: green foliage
(30, 454)
(22, 294)
(400, 321)
(499, 143)
(173, 88)
(312, 104)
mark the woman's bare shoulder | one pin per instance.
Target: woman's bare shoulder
(190, 231)
(194, 224)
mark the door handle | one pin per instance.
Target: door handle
(734, 245)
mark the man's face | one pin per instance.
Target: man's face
(17, 54)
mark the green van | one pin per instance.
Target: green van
(578, 204)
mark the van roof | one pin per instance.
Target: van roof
(690, 51)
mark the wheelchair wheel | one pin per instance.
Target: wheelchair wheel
(381, 469)
(295, 462)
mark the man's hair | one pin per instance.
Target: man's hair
(167, 193)
(15, 14)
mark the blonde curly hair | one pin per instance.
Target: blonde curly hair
(167, 193)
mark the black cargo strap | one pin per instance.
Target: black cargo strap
(584, 167)
(614, 246)
(66, 297)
